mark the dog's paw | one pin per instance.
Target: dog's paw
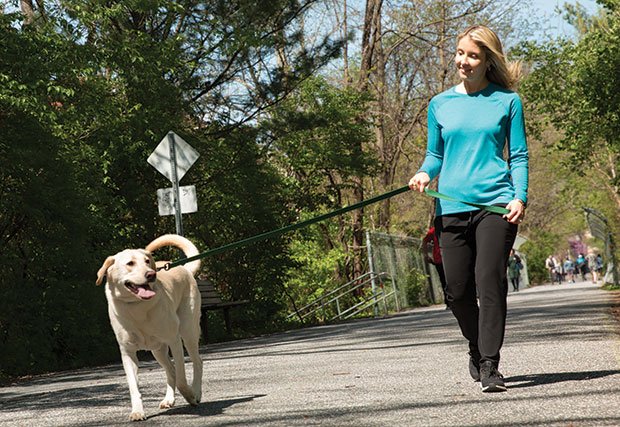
(188, 394)
(166, 404)
(191, 399)
(198, 395)
(137, 416)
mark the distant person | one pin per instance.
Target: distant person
(569, 269)
(599, 265)
(514, 269)
(470, 127)
(581, 266)
(550, 266)
(591, 260)
(432, 254)
(558, 270)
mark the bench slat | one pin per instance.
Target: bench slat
(211, 299)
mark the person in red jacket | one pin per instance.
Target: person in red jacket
(432, 254)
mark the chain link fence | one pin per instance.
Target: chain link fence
(415, 282)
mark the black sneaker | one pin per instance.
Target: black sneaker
(474, 366)
(490, 378)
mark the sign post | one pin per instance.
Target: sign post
(172, 158)
(600, 229)
(178, 221)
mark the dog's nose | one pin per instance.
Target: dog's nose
(151, 276)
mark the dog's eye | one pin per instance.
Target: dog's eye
(147, 261)
(130, 263)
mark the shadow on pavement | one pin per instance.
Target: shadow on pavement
(87, 396)
(534, 380)
(205, 409)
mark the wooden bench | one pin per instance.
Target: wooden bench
(210, 300)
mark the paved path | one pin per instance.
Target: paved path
(561, 361)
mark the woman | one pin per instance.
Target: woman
(469, 126)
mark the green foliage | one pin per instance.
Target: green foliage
(47, 285)
(576, 86)
(313, 274)
(86, 95)
(573, 85)
(316, 136)
(240, 196)
(417, 288)
(536, 251)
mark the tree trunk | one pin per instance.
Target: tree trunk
(370, 38)
(27, 8)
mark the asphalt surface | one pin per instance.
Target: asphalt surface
(561, 362)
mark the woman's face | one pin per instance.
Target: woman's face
(471, 61)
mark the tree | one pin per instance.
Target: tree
(210, 71)
(575, 84)
(45, 218)
(88, 90)
(315, 137)
(572, 96)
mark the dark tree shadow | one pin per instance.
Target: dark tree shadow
(534, 380)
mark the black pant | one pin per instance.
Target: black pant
(475, 247)
(515, 283)
(442, 279)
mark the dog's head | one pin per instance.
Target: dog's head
(130, 275)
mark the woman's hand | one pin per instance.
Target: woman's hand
(419, 181)
(517, 211)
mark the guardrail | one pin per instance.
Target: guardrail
(378, 295)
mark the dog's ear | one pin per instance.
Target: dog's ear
(104, 269)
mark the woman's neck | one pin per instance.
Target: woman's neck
(467, 86)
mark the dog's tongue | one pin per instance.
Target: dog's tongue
(145, 292)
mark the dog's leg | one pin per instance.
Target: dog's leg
(179, 364)
(190, 332)
(161, 355)
(192, 349)
(130, 365)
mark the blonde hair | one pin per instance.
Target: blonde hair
(505, 74)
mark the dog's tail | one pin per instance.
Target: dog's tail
(180, 242)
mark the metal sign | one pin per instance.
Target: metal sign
(172, 158)
(187, 196)
(161, 160)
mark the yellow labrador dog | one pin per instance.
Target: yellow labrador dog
(154, 311)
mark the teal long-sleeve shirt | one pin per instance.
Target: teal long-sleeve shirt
(467, 134)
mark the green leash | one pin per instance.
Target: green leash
(286, 229)
(489, 208)
(302, 224)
